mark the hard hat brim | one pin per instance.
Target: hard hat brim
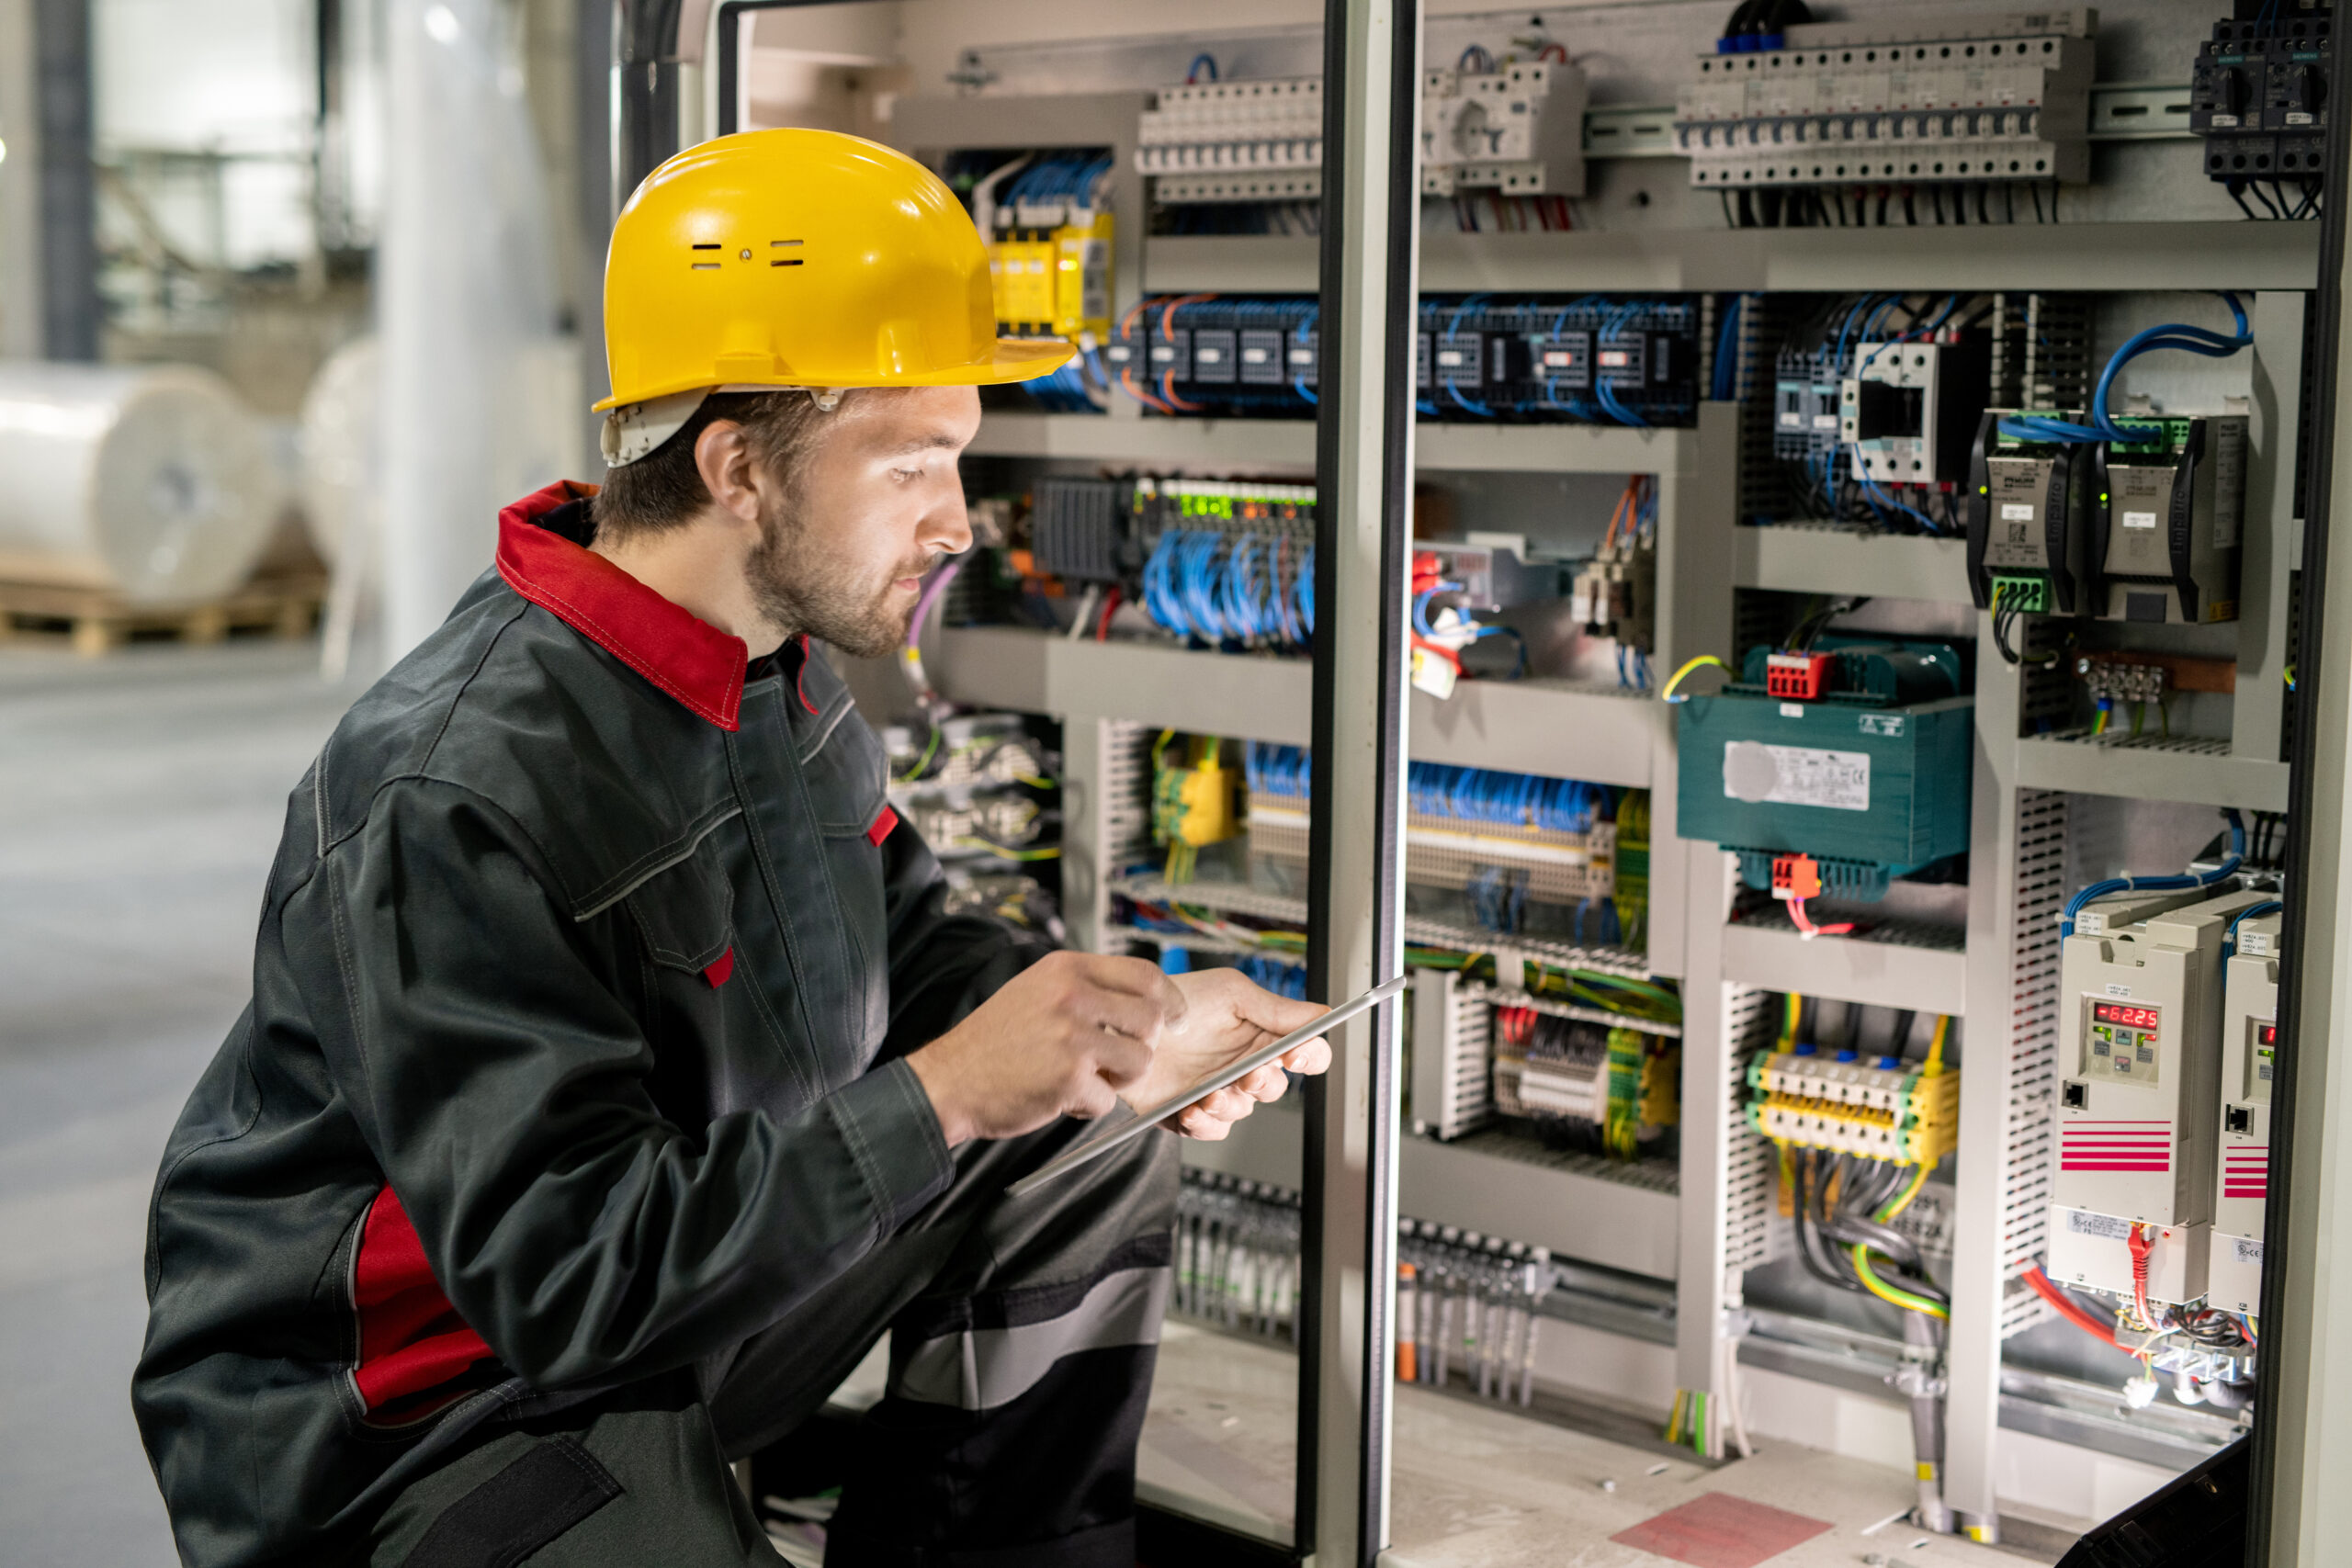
(1006, 359)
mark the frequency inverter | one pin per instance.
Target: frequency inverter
(2249, 1043)
(2140, 1065)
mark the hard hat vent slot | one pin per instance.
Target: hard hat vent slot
(707, 247)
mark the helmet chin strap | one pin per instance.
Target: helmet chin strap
(634, 431)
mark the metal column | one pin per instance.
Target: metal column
(2302, 1447)
(1364, 476)
(69, 188)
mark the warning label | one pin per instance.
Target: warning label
(1797, 775)
(2106, 1226)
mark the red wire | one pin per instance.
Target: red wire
(2068, 1307)
(2143, 1241)
(1797, 914)
(1109, 605)
(1445, 653)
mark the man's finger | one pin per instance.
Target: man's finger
(1091, 1099)
(1196, 1123)
(1265, 1084)
(1311, 1057)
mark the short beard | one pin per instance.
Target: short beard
(806, 589)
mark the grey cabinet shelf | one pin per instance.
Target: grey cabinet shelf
(2029, 255)
(1603, 734)
(1224, 444)
(1905, 971)
(2146, 768)
(1813, 558)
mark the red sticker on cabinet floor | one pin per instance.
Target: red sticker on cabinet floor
(1719, 1530)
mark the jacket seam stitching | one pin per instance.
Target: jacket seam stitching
(678, 852)
(786, 929)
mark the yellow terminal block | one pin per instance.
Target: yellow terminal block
(1194, 799)
(1906, 1115)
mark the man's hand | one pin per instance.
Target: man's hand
(1065, 1036)
(1226, 1017)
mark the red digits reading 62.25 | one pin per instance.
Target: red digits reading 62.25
(2116, 1012)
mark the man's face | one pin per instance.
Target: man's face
(875, 500)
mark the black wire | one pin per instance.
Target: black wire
(1910, 212)
(2009, 199)
(1981, 216)
(1725, 194)
(2035, 191)
(2253, 188)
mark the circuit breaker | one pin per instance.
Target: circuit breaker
(2139, 1065)
(2249, 1040)
(1517, 129)
(1924, 98)
(2258, 91)
(2164, 530)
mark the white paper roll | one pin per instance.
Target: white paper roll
(342, 435)
(154, 480)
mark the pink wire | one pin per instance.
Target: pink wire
(931, 594)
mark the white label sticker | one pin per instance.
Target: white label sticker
(1793, 420)
(1882, 723)
(2017, 511)
(1791, 710)
(2225, 122)
(1797, 775)
(1825, 422)
(2115, 990)
(2107, 1225)
(2299, 116)
(2244, 1251)
(2138, 520)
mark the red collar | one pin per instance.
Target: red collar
(688, 658)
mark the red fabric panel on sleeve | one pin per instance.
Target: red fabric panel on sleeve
(882, 827)
(719, 968)
(410, 1338)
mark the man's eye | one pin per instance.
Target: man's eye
(904, 476)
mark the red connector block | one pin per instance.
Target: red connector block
(1799, 677)
(1796, 877)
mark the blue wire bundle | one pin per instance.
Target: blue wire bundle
(2103, 425)
(1217, 587)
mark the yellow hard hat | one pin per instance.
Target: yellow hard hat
(801, 258)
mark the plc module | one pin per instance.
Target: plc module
(2165, 532)
(2249, 1036)
(2140, 1065)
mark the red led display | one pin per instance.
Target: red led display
(2268, 1034)
(2119, 1012)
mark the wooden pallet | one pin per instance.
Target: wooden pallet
(96, 621)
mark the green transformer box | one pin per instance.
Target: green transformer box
(1855, 752)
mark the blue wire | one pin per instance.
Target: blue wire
(1198, 60)
(2159, 884)
(2230, 937)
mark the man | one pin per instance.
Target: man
(612, 1077)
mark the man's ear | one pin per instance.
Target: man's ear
(730, 472)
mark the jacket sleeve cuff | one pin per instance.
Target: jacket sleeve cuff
(894, 1136)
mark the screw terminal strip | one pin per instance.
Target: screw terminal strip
(1879, 1108)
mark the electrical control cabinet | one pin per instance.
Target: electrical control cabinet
(1922, 98)
(2164, 542)
(2249, 1043)
(2140, 1068)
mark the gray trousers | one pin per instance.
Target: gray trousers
(1023, 1337)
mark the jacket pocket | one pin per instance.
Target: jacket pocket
(685, 914)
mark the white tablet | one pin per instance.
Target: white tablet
(1116, 1129)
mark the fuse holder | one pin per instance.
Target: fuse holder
(1798, 677)
(1796, 877)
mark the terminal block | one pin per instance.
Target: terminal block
(1878, 1108)
(1799, 676)
(1920, 98)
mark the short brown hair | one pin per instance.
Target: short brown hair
(664, 489)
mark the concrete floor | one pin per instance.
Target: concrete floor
(140, 799)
